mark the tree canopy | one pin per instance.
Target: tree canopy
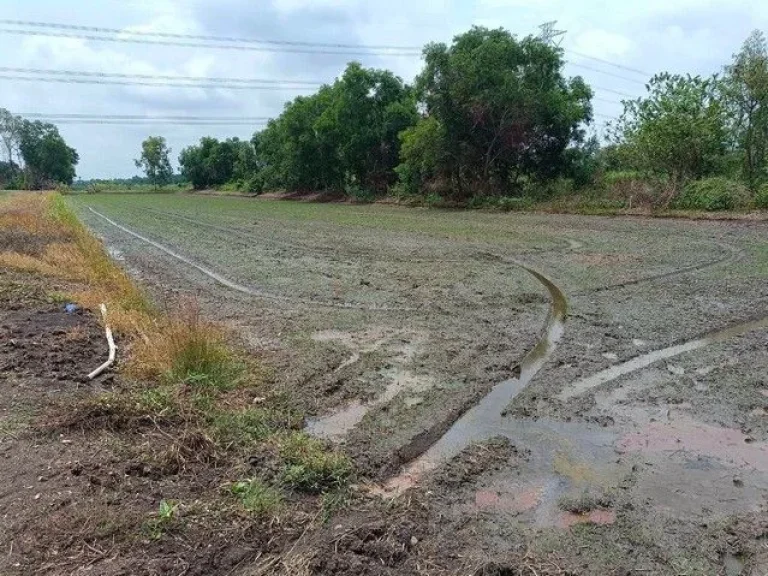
(745, 90)
(214, 163)
(37, 151)
(155, 160)
(500, 110)
(345, 135)
(678, 130)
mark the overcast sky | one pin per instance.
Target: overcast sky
(696, 36)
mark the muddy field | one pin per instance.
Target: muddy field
(610, 415)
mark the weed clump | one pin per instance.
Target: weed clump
(257, 497)
(310, 466)
(713, 194)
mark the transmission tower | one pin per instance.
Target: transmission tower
(551, 35)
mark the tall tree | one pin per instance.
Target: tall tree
(154, 160)
(47, 158)
(214, 163)
(504, 107)
(745, 88)
(346, 134)
(677, 131)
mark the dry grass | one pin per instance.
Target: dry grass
(180, 346)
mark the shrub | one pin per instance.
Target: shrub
(761, 198)
(712, 194)
(359, 194)
(310, 467)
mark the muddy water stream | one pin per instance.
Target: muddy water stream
(486, 419)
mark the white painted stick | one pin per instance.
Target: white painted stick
(112, 347)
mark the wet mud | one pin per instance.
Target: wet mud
(641, 439)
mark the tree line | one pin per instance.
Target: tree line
(487, 114)
(491, 118)
(34, 154)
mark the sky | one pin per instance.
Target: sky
(650, 36)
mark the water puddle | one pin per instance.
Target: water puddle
(638, 363)
(727, 445)
(486, 420)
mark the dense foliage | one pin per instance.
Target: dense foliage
(35, 154)
(213, 163)
(344, 137)
(677, 130)
(498, 110)
(492, 120)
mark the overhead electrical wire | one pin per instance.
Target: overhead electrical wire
(105, 34)
(77, 116)
(185, 44)
(159, 84)
(207, 80)
(607, 62)
(94, 121)
(605, 72)
(235, 39)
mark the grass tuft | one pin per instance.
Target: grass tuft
(311, 467)
(257, 497)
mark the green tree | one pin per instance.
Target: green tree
(504, 108)
(47, 158)
(344, 135)
(154, 160)
(215, 163)
(745, 88)
(677, 131)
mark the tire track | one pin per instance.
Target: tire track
(224, 281)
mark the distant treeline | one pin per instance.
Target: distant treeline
(492, 119)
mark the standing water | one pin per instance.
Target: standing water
(486, 419)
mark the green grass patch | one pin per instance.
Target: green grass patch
(257, 497)
(253, 424)
(311, 467)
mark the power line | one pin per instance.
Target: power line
(204, 79)
(612, 91)
(95, 121)
(107, 82)
(184, 44)
(235, 39)
(257, 44)
(76, 116)
(605, 100)
(607, 63)
(593, 69)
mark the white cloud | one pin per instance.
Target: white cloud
(602, 43)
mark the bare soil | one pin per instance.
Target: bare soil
(84, 497)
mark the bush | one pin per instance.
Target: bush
(712, 194)
(358, 194)
(761, 198)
